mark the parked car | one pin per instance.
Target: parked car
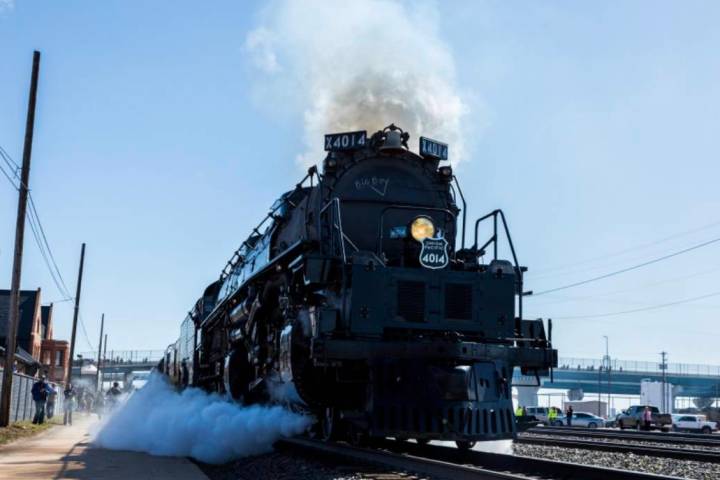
(614, 422)
(585, 419)
(632, 418)
(692, 423)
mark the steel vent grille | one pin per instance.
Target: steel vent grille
(411, 301)
(458, 301)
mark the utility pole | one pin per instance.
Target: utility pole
(609, 372)
(14, 313)
(102, 327)
(77, 309)
(599, 390)
(104, 356)
(663, 367)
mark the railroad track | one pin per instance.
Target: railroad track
(451, 463)
(632, 432)
(672, 439)
(665, 452)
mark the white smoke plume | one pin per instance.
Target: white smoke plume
(159, 420)
(348, 65)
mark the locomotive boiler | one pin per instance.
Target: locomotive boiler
(357, 300)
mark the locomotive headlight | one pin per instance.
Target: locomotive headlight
(422, 228)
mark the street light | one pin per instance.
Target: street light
(609, 373)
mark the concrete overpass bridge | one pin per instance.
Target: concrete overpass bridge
(116, 366)
(624, 377)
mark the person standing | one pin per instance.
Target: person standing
(69, 397)
(52, 396)
(40, 390)
(569, 414)
(113, 395)
(647, 418)
(552, 416)
(99, 404)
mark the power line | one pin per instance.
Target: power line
(12, 182)
(624, 270)
(47, 246)
(642, 309)
(38, 232)
(555, 300)
(85, 334)
(42, 242)
(43, 254)
(8, 159)
(13, 166)
(547, 272)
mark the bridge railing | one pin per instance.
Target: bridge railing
(124, 357)
(638, 366)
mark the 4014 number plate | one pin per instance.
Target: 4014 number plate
(434, 253)
(433, 148)
(337, 142)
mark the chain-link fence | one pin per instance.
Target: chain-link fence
(22, 406)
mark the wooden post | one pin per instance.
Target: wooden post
(14, 313)
(97, 377)
(75, 313)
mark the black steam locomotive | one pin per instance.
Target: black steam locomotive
(351, 301)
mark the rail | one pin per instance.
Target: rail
(425, 466)
(637, 449)
(515, 464)
(670, 438)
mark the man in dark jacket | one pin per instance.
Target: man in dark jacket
(569, 415)
(40, 391)
(113, 395)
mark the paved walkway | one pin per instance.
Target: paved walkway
(65, 452)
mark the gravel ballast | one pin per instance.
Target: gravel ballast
(625, 461)
(291, 466)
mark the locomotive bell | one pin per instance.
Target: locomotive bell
(393, 142)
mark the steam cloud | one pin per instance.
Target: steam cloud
(358, 65)
(161, 421)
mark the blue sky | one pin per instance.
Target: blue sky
(593, 125)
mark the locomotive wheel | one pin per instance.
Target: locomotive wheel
(328, 424)
(464, 444)
(356, 436)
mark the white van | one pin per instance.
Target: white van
(541, 413)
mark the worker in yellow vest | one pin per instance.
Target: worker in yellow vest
(519, 411)
(552, 416)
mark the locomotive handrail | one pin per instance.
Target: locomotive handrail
(335, 202)
(494, 240)
(464, 211)
(405, 207)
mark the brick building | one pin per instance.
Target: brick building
(35, 335)
(55, 359)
